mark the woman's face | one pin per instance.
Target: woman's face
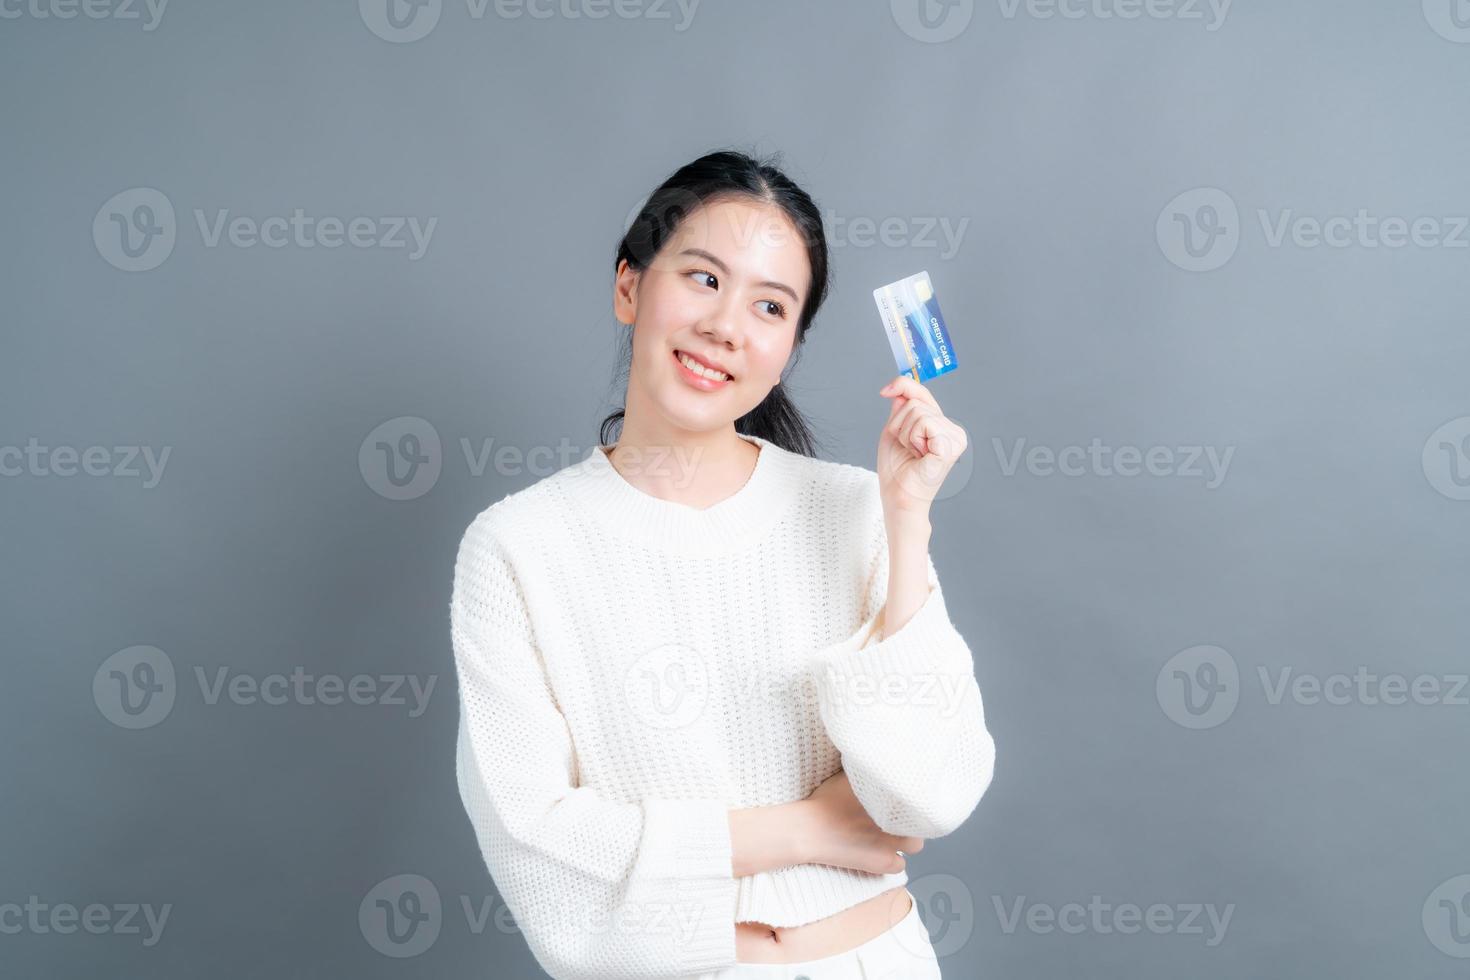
(726, 290)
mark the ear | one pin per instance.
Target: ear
(625, 293)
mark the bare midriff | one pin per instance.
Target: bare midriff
(757, 942)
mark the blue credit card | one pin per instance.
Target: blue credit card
(915, 327)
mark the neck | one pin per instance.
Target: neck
(739, 519)
(695, 468)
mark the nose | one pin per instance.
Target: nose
(722, 325)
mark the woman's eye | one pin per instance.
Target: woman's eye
(706, 278)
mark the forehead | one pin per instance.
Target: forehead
(755, 239)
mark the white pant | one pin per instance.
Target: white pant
(904, 952)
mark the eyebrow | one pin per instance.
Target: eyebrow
(701, 253)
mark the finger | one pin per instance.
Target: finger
(894, 406)
(892, 388)
(915, 429)
(905, 431)
(906, 385)
(953, 440)
(897, 419)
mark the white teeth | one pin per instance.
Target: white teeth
(700, 369)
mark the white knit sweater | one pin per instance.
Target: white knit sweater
(631, 668)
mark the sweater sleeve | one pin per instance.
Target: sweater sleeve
(599, 888)
(906, 713)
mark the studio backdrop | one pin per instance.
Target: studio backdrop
(293, 291)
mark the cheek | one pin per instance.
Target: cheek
(768, 354)
(665, 314)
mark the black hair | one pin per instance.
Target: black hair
(728, 174)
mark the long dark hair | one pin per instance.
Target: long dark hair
(721, 175)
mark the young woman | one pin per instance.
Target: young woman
(710, 695)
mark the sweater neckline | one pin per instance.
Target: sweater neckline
(739, 520)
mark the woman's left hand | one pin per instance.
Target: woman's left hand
(918, 448)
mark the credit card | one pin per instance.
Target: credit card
(915, 327)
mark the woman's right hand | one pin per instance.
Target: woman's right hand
(840, 833)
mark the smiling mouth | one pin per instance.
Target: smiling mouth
(691, 364)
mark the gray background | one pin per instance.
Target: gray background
(1336, 538)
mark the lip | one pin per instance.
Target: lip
(704, 384)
